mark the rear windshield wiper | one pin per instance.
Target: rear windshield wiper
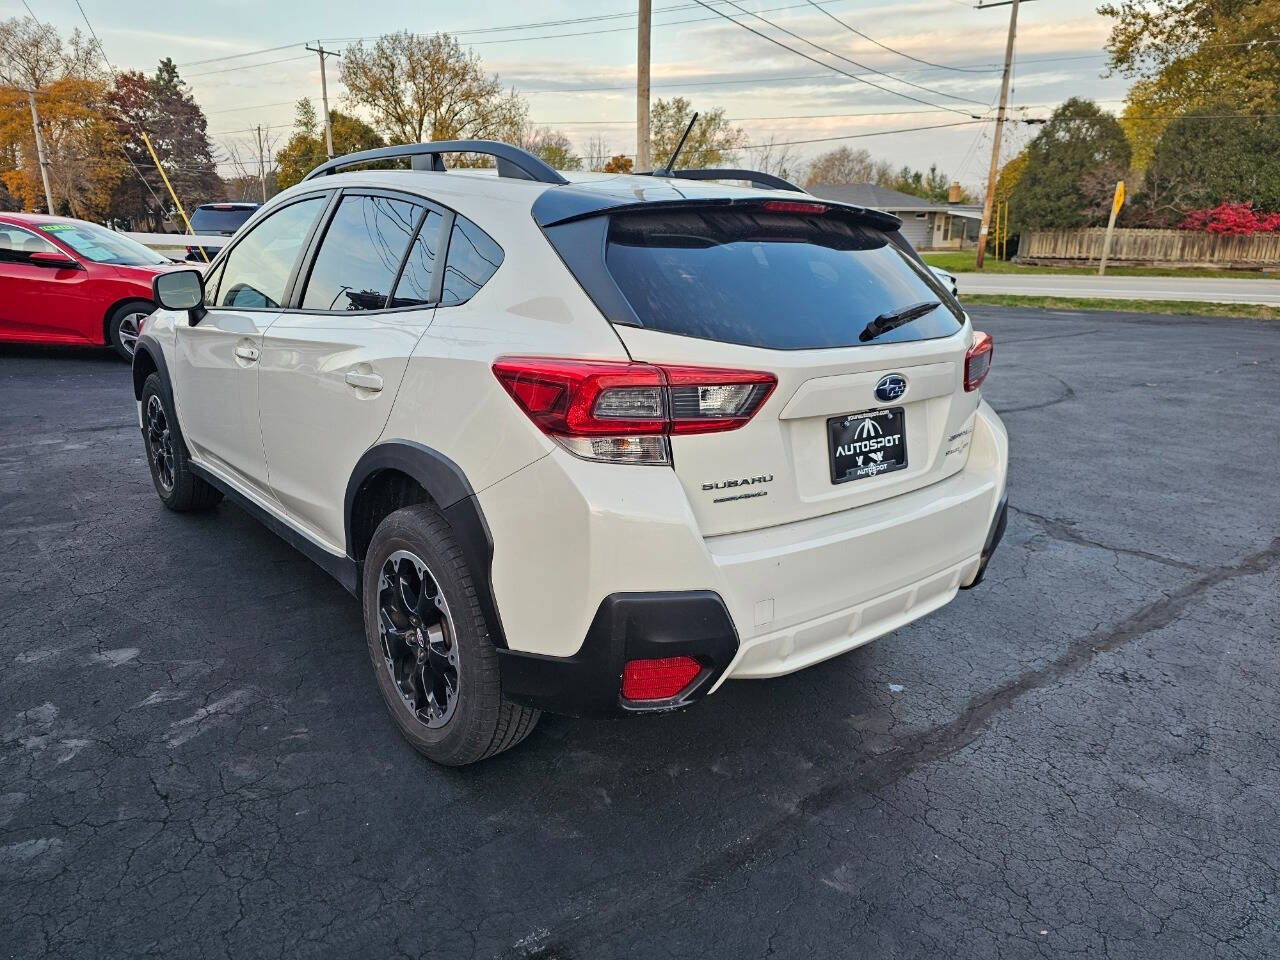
(891, 321)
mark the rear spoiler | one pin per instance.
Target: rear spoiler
(566, 204)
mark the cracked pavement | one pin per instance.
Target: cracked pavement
(1077, 759)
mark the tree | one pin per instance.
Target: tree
(420, 88)
(713, 141)
(597, 152)
(306, 147)
(1078, 141)
(163, 107)
(69, 92)
(845, 165)
(1185, 55)
(553, 147)
(1210, 156)
(618, 163)
(776, 158)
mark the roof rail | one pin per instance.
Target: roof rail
(512, 161)
(756, 178)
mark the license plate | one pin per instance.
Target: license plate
(867, 444)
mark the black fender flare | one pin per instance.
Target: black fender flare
(447, 485)
(149, 347)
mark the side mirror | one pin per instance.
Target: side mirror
(181, 290)
(50, 258)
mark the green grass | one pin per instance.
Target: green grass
(962, 261)
(1187, 308)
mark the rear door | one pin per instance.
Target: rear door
(331, 367)
(811, 295)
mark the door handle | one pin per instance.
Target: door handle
(365, 381)
(248, 354)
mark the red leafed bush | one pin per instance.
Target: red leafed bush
(1231, 218)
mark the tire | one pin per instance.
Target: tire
(123, 326)
(417, 584)
(179, 489)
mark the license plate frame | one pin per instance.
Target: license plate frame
(867, 444)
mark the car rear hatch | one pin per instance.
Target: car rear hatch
(868, 404)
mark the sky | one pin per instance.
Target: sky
(579, 76)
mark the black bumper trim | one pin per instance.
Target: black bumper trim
(994, 536)
(627, 626)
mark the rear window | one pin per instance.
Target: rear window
(776, 280)
(209, 220)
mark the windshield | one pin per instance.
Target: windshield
(102, 245)
(209, 220)
(778, 280)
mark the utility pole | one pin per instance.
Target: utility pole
(324, 93)
(644, 162)
(995, 147)
(41, 157)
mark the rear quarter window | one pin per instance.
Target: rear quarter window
(775, 280)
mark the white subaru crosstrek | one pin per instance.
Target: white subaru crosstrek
(588, 447)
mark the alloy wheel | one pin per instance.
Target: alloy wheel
(130, 327)
(419, 643)
(160, 442)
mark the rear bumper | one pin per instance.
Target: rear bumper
(587, 556)
(627, 626)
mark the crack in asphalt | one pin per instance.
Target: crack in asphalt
(1064, 530)
(916, 751)
(1068, 393)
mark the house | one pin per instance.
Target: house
(926, 225)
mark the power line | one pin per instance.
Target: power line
(861, 66)
(885, 46)
(800, 53)
(248, 66)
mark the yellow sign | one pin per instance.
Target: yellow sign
(1118, 202)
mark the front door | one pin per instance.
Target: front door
(216, 383)
(329, 371)
(41, 302)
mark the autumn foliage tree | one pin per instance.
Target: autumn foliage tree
(70, 94)
(163, 106)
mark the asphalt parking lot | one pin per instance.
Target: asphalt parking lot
(1080, 758)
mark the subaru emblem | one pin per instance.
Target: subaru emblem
(891, 387)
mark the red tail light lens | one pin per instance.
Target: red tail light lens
(608, 410)
(977, 362)
(658, 679)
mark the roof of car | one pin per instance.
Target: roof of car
(34, 219)
(586, 193)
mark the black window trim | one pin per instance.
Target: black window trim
(294, 301)
(252, 225)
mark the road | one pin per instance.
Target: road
(1226, 290)
(1079, 758)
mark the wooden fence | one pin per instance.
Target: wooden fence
(1154, 247)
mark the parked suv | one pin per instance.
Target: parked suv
(217, 220)
(587, 447)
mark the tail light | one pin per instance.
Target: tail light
(659, 679)
(795, 206)
(624, 412)
(977, 362)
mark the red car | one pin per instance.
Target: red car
(73, 282)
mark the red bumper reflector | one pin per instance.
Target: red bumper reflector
(658, 679)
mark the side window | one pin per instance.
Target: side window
(360, 254)
(258, 268)
(473, 258)
(17, 244)
(414, 288)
